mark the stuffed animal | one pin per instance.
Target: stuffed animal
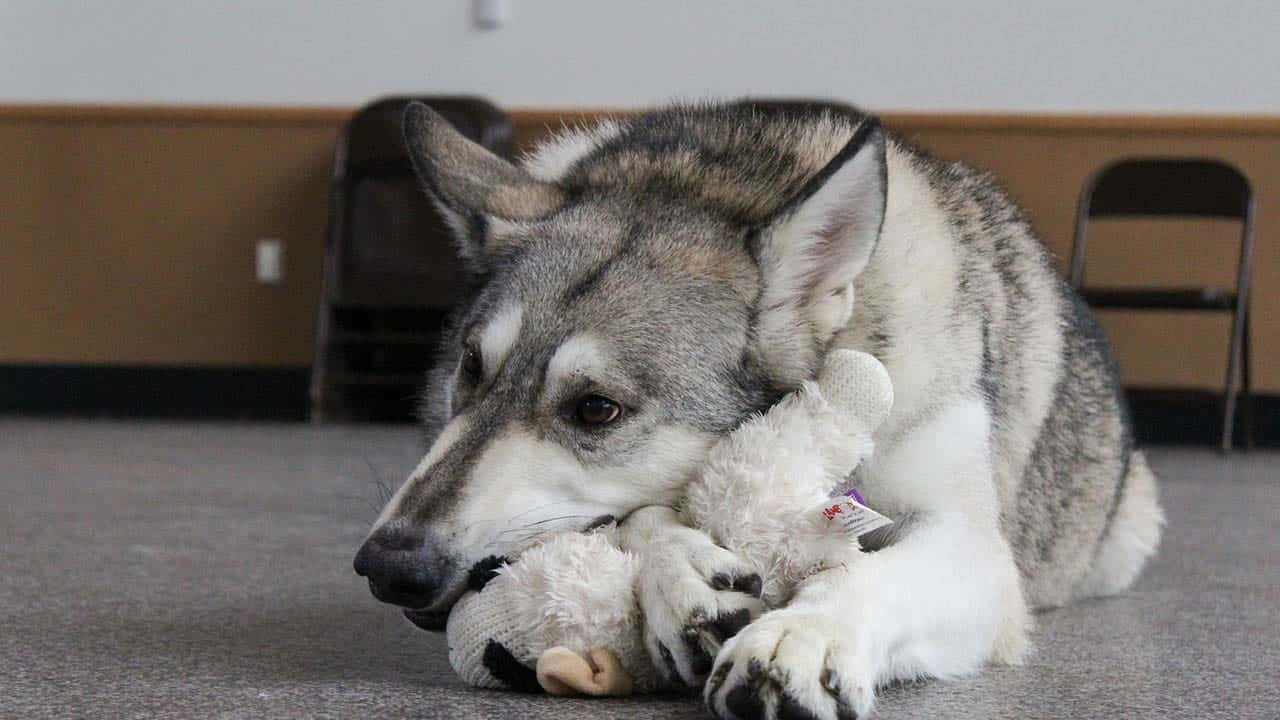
(564, 618)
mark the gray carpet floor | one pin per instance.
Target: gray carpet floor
(204, 570)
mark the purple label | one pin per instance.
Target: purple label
(853, 493)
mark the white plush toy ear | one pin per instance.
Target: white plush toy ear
(813, 249)
(763, 487)
(858, 386)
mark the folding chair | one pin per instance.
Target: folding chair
(391, 273)
(1172, 187)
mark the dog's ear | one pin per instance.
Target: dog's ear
(472, 187)
(811, 251)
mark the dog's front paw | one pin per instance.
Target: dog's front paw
(695, 595)
(791, 663)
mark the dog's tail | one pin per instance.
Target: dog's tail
(1133, 535)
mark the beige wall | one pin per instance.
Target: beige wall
(126, 234)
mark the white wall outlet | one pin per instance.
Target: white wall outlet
(491, 14)
(269, 261)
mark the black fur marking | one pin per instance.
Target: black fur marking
(749, 584)
(790, 709)
(744, 700)
(829, 681)
(745, 703)
(760, 391)
(503, 665)
(600, 522)
(878, 343)
(987, 381)
(797, 109)
(699, 657)
(479, 231)
(1115, 505)
(589, 282)
(484, 571)
(673, 670)
(716, 681)
(439, 492)
(751, 240)
(730, 624)
(866, 131)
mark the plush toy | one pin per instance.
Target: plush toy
(563, 617)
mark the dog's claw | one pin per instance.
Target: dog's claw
(731, 623)
(672, 670)
(701, 647)
(750, 583)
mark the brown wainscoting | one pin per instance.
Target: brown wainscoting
(127, 232)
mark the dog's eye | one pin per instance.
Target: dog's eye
(597, 410)
(472, 364)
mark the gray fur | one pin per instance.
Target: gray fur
(649, 234)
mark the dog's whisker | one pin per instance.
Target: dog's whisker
(526, 533)
(542, 522)
(358, 497)
(381, 488)
(536, 508)
(554, 519)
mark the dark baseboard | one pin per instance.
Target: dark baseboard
(155, 392)
(1171, 416)
(1161, 416)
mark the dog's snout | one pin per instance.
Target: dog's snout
(373, 553)
(402, 566)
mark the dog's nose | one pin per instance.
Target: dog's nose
(402, 568)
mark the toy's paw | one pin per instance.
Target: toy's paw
(791, 663)
(695, 595)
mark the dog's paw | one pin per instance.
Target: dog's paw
(695, 595)
(791, 663)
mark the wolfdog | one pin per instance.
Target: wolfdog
(646, 284)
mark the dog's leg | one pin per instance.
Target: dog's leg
(940, 602)
(693, 593)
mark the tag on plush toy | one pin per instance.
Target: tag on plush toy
(851, 513)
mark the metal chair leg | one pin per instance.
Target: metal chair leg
(1246, 385)
(1233, 369)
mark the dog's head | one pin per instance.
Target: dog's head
(643, 287)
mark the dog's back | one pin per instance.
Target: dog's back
(961, 298)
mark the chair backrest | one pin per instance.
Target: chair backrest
(1162, 187)
(391, 248)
